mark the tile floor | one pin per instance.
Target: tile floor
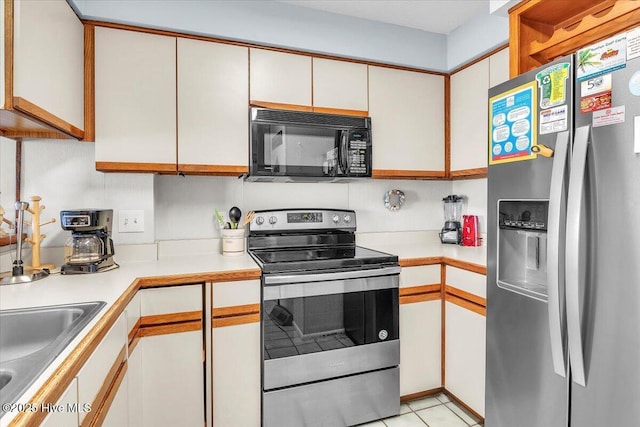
(432, 411)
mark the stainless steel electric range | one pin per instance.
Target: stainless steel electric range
(330, 336)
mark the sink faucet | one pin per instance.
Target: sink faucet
(18, 269)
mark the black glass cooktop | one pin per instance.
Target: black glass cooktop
(309, 259)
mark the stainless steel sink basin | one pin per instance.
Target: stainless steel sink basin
(31, 338)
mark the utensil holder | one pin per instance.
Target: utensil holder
(232, 241)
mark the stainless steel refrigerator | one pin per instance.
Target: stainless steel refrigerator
(563, 243)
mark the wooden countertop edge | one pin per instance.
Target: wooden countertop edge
(57, 383)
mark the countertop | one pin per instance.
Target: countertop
(111, 285)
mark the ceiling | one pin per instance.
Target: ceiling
(436, 16)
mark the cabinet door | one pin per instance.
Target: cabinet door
(172, 379)
(407, 119)
(465, 355)
(98, 372)
(213, 94)
(236, 375)
(340, 85)
(469, 117)
(278, 77)
(67, 417)
(420, 354)
(135, 99)
(499, 67)
(48, 58)
(118, 412)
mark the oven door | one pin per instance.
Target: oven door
(329, 325)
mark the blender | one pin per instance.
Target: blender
(452, 230)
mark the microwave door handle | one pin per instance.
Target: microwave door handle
(344, 158)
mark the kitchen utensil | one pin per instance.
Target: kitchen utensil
(220, 219)
(248, 218)
(89, 249)
(394, 199)
(470, 232)
(234, 216)
(451, 232)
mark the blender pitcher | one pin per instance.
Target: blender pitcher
(452, 230)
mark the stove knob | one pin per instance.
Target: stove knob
(259, 220)
(347, 218)
(336, 218)
(272, 219)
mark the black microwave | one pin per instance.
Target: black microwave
(304, 146)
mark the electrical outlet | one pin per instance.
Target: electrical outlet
(130, 221)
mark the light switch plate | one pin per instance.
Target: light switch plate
(131, 221)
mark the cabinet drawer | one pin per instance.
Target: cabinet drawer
(467, 281)
(421, 275)
(228, 294)
(173, 299)
(95, 371)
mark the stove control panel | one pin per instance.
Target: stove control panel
(303, 219)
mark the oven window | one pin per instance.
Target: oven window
(297, 326)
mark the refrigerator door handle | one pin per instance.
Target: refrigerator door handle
(555, 273)
(572, 253)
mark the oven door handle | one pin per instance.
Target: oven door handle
(282, 279)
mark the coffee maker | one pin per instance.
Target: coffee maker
(452, 230)
(90, 248)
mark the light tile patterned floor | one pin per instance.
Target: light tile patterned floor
(432, 411)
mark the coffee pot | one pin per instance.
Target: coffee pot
(89, 249)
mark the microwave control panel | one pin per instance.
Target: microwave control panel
(523, 214)
(359, 152)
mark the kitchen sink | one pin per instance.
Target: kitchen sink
(31, 338)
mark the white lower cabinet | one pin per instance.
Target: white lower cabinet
(420, 354)
(117, 415)
(465, 355)
(236, 375)
(172, 379)
(94, 377)
(66, 417)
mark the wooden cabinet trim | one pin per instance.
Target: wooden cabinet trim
(235, 320)
(447, 126)
(198, 278)
(469, 173)
(476, 308)
(37, 113)
(131, 167)
(342, 111)
(420, 289)
(451, 290)
(464, 405)
(212, 170)
(102, 402)
(280, 106)
(479, 59)
(89, 83)
(169, 328)
(476, 268)
(406, 174)
(417, 262)
(236, 310)
(410, 299)
(420, 394)
(168, 318)
(8, 54)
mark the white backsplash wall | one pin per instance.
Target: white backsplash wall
(475, 192)
(63, 174)
(185, 205)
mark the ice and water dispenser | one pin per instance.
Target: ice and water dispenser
(522, 247)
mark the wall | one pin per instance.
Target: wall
(480, 35)
(279, 24)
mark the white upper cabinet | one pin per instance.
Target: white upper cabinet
(135, 98)
(213, 94)
(469, 117)
(407, 118)
(469, 111)
(45, 62)
(278, 77)
(340, 85)
(499, 67)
